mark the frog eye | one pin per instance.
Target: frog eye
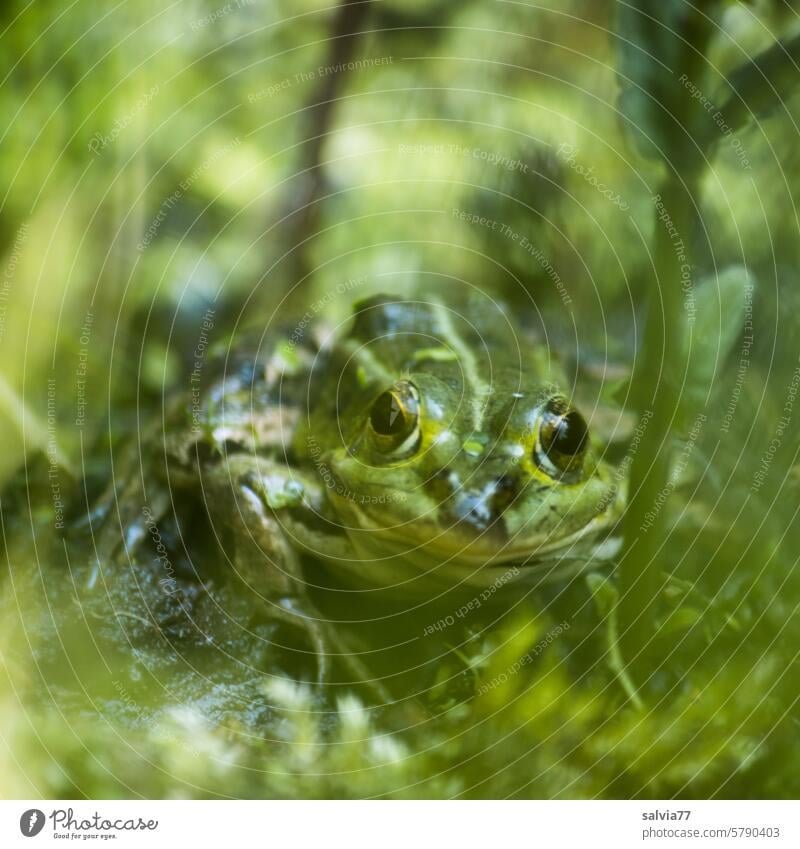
(562, 440)
(394, 418)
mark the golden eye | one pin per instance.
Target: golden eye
(563, 439)
(394, 417)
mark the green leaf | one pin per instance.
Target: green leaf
(680, 621)
(760, 85)
(717, 311)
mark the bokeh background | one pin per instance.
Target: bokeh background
(161, 160)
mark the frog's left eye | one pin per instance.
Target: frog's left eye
(563, 439)
(394, 418)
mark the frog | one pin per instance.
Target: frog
(427, 445)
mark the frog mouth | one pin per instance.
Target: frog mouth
(463, 543)
(473, 533)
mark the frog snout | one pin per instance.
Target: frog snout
(478, 498)
(482, 507)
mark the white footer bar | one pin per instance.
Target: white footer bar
(402, 825)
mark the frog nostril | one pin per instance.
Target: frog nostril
(506, 489)
(442, 484)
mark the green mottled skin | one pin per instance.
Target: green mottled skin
(285, 457)
(482, 383)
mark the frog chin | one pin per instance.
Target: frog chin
(487, 550)
(427, 544)
(391, 525)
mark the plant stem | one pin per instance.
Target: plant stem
(348, 21)
(658, 389)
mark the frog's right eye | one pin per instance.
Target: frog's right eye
(394, 418)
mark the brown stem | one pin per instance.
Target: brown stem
(304, 211)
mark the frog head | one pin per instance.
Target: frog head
(454, 444)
